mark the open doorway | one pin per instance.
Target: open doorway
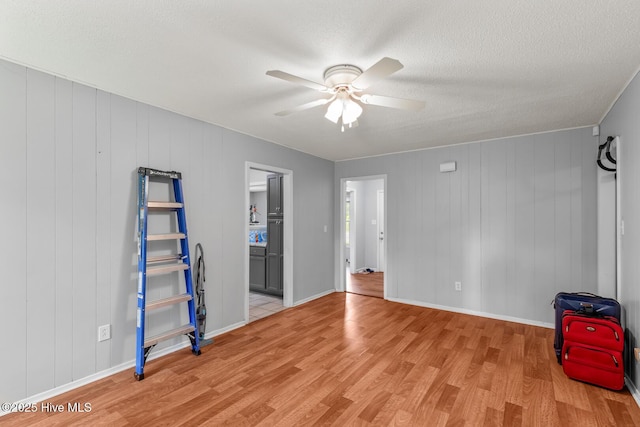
(363, 242)
(268, 267)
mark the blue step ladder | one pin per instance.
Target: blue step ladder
(162, 264)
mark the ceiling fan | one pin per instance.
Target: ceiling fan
(344, 85)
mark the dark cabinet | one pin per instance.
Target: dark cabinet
(274, 256)
(274, 195)
(272, 260)
(257, 268)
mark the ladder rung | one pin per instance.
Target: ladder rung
(164, 269)
(163, 205)
(163, 258)
(170, 236)
(168, 301)
(182, 330)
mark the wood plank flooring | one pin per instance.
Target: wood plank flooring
(371, 284)
(347, 359)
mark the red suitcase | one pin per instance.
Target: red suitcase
(592, 349)
(601, 331)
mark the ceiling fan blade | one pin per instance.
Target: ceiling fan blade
(381, 69)
(387, 101)
(297, 80)
(306, 106)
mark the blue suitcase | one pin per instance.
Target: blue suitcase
(582, 302)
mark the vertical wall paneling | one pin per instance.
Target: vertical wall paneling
(128, 127)
(181, 151)
(472, 293)
(13, 259)
(443, 284)
(506, 223)
(544, 222)
(69, 158)
(212, 218)
(576, 220)
(623, 121)
(426, 220)
(84, 231)
(159, 139)
(494, 209)
(524, 230)
(562, 215)
(192, 141)
(457, 258)
(40, 231)
(160, 157)
(511, 241)
(405, 190)
(390, 278)
(103, 230)
(142, 135)
(63, 232)
(589, 220)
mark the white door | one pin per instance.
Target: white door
(381, 235)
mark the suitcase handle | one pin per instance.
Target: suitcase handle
(586, 308)
(586, 294)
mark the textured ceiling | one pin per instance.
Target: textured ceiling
(486, 69)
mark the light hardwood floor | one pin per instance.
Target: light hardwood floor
(347, 359)
(370, 284)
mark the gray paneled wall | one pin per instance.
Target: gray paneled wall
(516, 223)
(68, 160)
(623, 121)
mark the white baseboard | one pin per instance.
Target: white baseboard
(475, 313)
(311, 298)
(635, 393)
(115, 369)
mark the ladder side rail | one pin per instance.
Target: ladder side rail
(184, 247)
(143, 194)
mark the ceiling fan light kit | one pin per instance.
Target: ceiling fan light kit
(344, 83)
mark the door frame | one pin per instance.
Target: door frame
(381, 266)
(352, 230)
(619, 218)
(341, 266)
(287, 232)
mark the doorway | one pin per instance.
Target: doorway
(363, 240)
(269, 240)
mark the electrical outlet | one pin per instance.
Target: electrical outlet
(104, 333)
(458, 286)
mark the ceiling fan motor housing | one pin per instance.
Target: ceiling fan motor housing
(341, 75)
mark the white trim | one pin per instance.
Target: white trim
(467, 142)
(381, 264)
(131, 364)
(635, 393)
(475, 313)
(353, 228)
(619, 219)
(311, 298)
